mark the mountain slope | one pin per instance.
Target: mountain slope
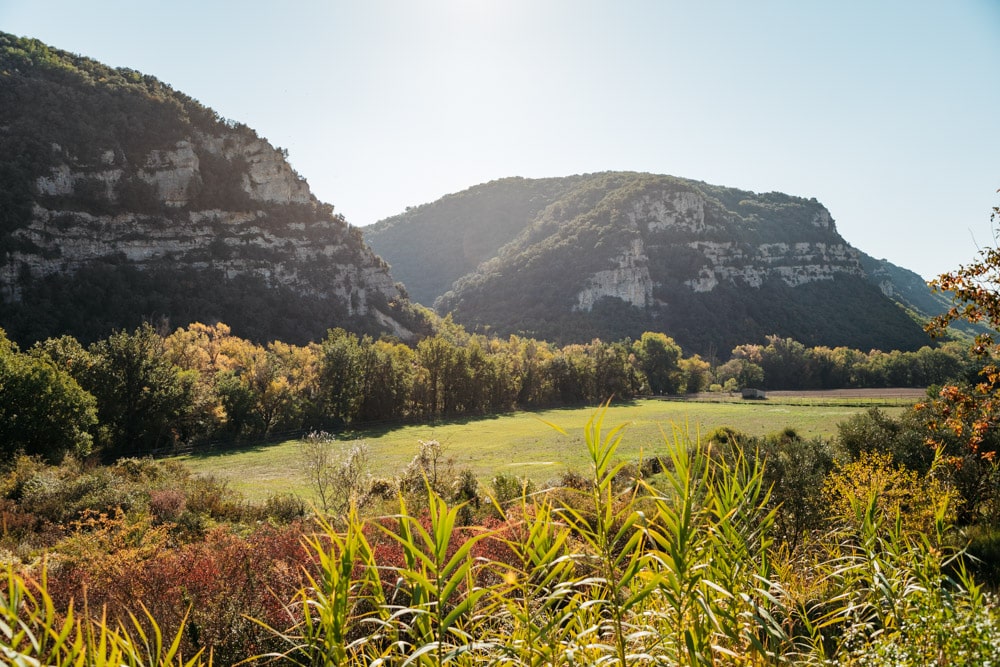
(910, 291)
(614, 254)
(123, 200)
(903, 286)
(436, 244)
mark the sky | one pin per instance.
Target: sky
(886, 112)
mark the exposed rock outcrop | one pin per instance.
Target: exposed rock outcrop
(628, 281)
(794, 264)
(678, 210)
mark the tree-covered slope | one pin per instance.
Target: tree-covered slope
(436, 244)
(123, 200)
(614, 254)
(910, 291)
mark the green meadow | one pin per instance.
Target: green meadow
(525, 443)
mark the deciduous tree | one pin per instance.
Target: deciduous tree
(965, 418)
(143, 400)
(43, 410)
(659, 357)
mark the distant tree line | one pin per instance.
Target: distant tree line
(784, 363)
(140, 391)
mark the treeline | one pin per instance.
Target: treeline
(784, 363)
(142, 391)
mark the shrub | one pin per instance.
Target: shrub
(284, 508)
(465, 492)
(430, 467)
(166, 505)
(383, 489)
(508, 488)
(338, 475)
(33, 633)
(982, 555)
(905, 438)
(571, 479)
(794, 468)
(212, 498)
(894, 493)
(210, 588)
(102, 555)
(60, 494)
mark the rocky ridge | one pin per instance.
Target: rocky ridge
(62, 240)
(723, 262)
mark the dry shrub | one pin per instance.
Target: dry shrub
(166, 505)
(103, 557)
(220, 583)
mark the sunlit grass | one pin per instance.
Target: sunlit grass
(518, 443)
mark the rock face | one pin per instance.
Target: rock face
(662, 218)
(795, 264)
(198, 203)
(628, 281)
(616, 254)
(61, 239)
(677, 210)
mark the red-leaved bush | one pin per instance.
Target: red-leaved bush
(220, 583)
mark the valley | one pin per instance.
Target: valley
(504, 427)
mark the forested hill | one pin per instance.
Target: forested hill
(436, 244)
(123, 200)
(617, 253)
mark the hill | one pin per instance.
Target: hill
(614, 254)
(436, 244)
(123, 200)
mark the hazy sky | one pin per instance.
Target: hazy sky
(887, 112)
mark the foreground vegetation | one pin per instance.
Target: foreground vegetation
(692, 560)
(720, 547)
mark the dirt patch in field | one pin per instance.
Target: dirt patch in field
(852, 393)
(891, 393)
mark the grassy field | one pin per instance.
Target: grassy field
(523, 444)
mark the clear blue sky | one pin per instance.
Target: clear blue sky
(887, 111)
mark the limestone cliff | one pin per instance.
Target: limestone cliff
(628, 280)
(662, 218)
(201, 210)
